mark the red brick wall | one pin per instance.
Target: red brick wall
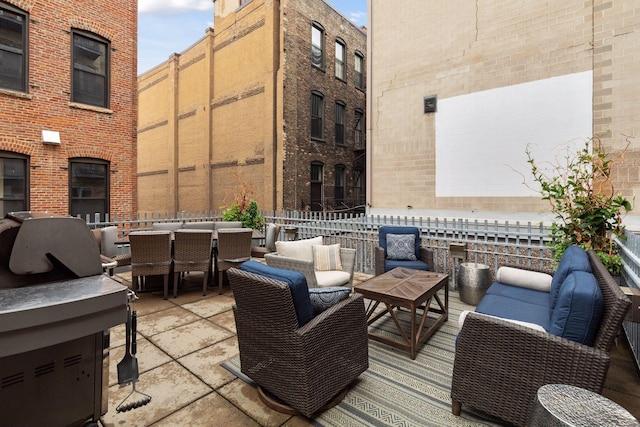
(85, 131)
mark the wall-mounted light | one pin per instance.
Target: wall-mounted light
(430, 104)
(51, 137)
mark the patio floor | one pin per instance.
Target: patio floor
(182, 341)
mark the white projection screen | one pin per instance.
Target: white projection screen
(481, 137)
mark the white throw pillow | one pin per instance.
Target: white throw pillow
(535, 326)
(524, 278)
(298, 249)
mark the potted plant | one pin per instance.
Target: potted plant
(243, 209)
(588, 211)
(249, 215)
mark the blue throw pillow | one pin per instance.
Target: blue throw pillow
(579, 308)
(297, 284)
(401, 247)
(323, 298)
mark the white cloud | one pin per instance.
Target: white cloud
(145, 6)
(358, 17)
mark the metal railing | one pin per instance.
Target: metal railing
(488, 242)
(630, 253)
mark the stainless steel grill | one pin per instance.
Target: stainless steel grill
(56, 308)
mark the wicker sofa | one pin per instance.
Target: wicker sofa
(499, 365)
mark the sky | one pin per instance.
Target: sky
(172, 26)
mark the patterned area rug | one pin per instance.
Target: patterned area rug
(398, 391)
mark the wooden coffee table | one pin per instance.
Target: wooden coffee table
(414, 290)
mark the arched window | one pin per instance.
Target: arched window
(317, 115)
(358, 70)
(88, 187)
(14, 182)
(340, 54)
(317, 45)
(339, 123)
(316, 186)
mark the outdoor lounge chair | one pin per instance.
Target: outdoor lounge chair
(303, 365)
(416, 257)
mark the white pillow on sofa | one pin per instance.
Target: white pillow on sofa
(463, 315)
(524, 278)
(298, 249)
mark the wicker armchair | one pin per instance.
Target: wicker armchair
(150, 256)
(305, 367)
(425, 260)
(347, 258)
(499, 365)
(234, 248)
(191, 252)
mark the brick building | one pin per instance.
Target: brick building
(262, 101)
(68, 106)
(502, 75)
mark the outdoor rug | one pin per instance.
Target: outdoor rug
(398, 391)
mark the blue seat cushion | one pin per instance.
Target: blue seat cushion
(390, 264)
(579, 308)
(574, 258)
(297, 284)
(508, 308)
(521, 294)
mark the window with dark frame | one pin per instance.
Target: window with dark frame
(90, 77)
(340, 50)
(88, 187)
(317, 115)
(339, 193)
(316, 186)
(317, 46)
(358, 75)
(14, 182)
(358, 133)
(13, 48)
(339, 123)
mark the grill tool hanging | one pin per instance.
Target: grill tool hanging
(128, 366)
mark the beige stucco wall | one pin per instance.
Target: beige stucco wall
(458, 47)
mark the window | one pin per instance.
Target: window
(90, 69)
(88, 187)
(317, 46)
(340, 60)
(340, 109)
(317, 115)
(339, 185)
(358, 134)
(316, 186)
(13, 49)
(13, 183)
(359, 71)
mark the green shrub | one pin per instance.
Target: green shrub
(588, 212)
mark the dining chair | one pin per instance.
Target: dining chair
(271, 235)
(150, 256)
(234, 248)
(191, 252)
